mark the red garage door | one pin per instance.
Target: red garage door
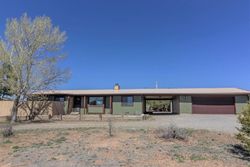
(213, 105)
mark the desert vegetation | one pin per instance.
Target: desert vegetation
(7, 131)
(174, 132)
(244, 131)
(126, 147)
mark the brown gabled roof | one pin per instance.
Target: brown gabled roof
(158, 91)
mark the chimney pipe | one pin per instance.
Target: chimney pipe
(117, 86)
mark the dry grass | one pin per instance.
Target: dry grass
(130, 147)
(174, 132)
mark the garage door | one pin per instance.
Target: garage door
(213, 105)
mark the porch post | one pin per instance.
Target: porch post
(143, 104)
(70, 104)
(81, 108)
(85, 104)
(111, 104)
(171, 106)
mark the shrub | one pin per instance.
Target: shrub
(244, 130)
(179, 158)
(60, 140)
(145, 117)
(7, 142)
(7, 131)
(173, 132)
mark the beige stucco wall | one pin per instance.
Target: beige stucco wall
(240, 102)
(6, 106)
(136, 109)
(185, 104)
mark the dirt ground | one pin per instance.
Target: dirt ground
(127, 147)
(219, 123)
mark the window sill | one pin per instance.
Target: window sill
(127, 105)
(100, 105)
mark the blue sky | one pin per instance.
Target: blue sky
(179, 43)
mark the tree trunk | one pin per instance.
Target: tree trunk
(15, 109)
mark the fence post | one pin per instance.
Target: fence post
(80, 114)
(61, 115)
(100, 116)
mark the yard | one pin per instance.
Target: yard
(92, 146)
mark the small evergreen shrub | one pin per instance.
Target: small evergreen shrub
(244, 130)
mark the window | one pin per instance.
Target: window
(159, 105)
(95, 100)
(77, 102)
(51, 98)
(57, 98)
(61, 99)
(127, 100)
(107, 102)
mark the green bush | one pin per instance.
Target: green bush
(244, 130)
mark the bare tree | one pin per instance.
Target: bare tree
(36, 105)
(32, 48)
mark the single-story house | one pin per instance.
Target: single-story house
(158, 100)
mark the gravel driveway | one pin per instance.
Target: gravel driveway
(223, 123)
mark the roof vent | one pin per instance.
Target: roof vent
(117, 86)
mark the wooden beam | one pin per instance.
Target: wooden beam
(143, 104)
(70, 104)
(111, 104)
(85, 105)
(81, 108)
